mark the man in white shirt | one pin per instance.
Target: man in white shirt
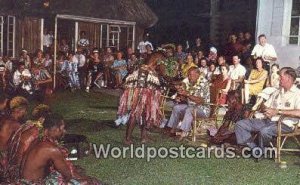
(83, 42)
(47, 41)
(265, 51)
(142, 45)
(284, 101)
(236, 72)
(81, 64)
(22, 79)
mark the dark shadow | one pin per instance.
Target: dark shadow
(104, 107)
(90, 125)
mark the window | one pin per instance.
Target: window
(129, 36)
(1, 35)
(114, 36)
(11, 29)
(295, 22)
(7, 35)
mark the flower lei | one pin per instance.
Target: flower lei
(171, 65)
(40, 127)
(193, 88)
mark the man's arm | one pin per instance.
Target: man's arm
(271, 54)
(62, 167)
(240, 79)
(60, 163)
(253, 53)
(198, 100)
(270, 112)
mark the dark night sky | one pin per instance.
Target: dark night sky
(181, 20)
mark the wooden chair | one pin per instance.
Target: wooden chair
(163, 102)
(281, 139)
(212, 119)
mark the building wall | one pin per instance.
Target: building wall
(273, 20)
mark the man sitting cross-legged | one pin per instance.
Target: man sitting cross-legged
(196, 90)
(8, 125)
(45, 161)
(22, 139)
(284, 101)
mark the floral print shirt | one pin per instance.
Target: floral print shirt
(200, 89)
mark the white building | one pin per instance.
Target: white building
(279, 20)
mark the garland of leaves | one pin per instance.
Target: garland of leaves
(193, 88)
(40, 127)
(170, 66)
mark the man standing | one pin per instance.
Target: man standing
(45, 162)
(284, 101)
(142, 45)
(265, 51)
(47, 40)
(196, 91)
(84, 42)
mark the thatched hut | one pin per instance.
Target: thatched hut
(114, 23)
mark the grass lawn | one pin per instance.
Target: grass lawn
(93, 114)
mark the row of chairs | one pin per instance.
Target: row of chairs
(215, 118)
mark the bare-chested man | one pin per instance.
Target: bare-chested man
(45, 155)
(8, 125)
(22, 139)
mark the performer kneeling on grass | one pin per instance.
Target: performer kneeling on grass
(8, 125)
(45, 162)
(22, 139)
(140, 100)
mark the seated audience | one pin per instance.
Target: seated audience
(24, 58)
(272, 86)
(211, 71)
(187, 65)
(237, 73)
(120, 69)
(213, 55)
(95, 70)
(285, 101)
(198, 57)
(70, 69)
(203, 66)
(22, 80)
(221, 62)
(256, 80)
(180, 55)
(108, 60)
(220, 85)
(196, 90)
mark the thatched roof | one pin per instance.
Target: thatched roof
(126, 10)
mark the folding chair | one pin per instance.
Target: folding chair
(281, 139)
